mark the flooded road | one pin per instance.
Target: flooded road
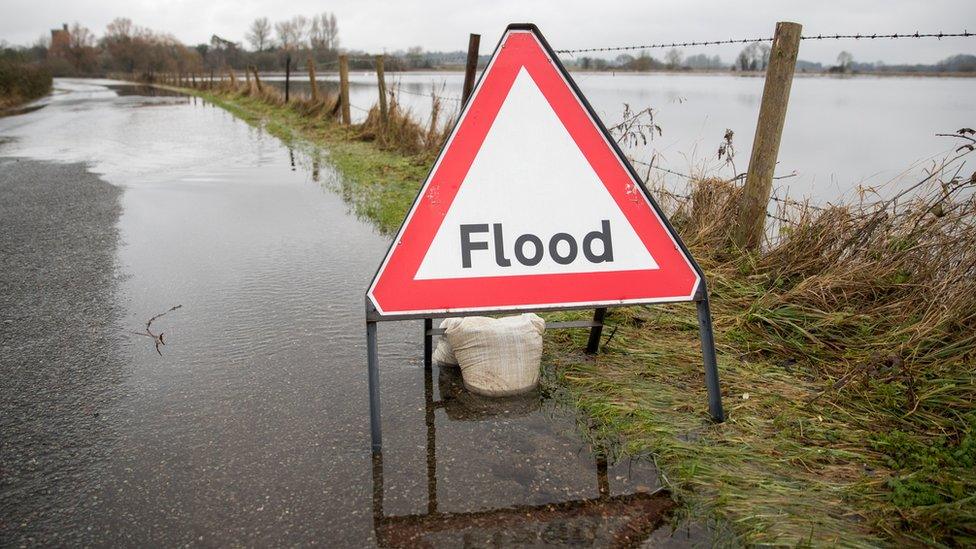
(251, 426)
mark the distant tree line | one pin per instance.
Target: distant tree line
(128, 48)
(755, 57)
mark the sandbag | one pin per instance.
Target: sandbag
(443, 354)
(497, 356)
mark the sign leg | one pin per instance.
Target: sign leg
(430, 419)
(711, 366)
(373, 362)
(593, 345)
(428, 343)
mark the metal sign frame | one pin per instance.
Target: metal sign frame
(374, 315)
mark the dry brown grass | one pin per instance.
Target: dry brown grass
(403, 133)
(876, 305)
(325, 106)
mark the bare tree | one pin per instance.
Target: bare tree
(292, 32)
(703, 61)
(764, 51)
(259, 34)
(122, 43)
(753, 57)
(323, 35)
(80, 37)
(845, 60)
(673, 58)
(120, 28)
(80, 48)
(624, 60)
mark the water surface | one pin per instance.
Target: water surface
(841, 132)
(251, 427)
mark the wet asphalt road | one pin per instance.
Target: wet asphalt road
(251, 428)
(59, 344)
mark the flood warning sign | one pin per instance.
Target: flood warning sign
(530, 205)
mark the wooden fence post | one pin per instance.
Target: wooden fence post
(381, 85)
(311, 80)
(287, 75)
(344, 89)
(474, 42)
(751, 222)
(257, 80)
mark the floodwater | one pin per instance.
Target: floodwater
(841, 132)
(250, 427)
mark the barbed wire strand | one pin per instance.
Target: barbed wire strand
(656, 167)
(399, 89)
(938, 35)
(786, 201)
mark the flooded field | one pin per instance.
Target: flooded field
(250, 426)
(879, 131)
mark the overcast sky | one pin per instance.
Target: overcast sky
(444, 25)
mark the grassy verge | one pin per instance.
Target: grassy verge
(21, 82)
(846, 353)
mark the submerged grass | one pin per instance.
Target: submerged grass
(846, 349)
(378, 182)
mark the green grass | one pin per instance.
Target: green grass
(830, 438)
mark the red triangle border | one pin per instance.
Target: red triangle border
(394, 292)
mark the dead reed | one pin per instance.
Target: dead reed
(402, 132)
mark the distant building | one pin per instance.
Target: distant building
(60, 42)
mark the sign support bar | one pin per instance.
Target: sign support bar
(373, 362)
(593, 344)
(708, 356)
(428, 342)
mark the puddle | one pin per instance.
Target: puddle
(615, 508)
(141, 90)
(252, 428)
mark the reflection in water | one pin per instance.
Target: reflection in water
(621, 520)
(142, 90)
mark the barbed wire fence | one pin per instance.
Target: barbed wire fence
(784, 201)
(859, 36)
